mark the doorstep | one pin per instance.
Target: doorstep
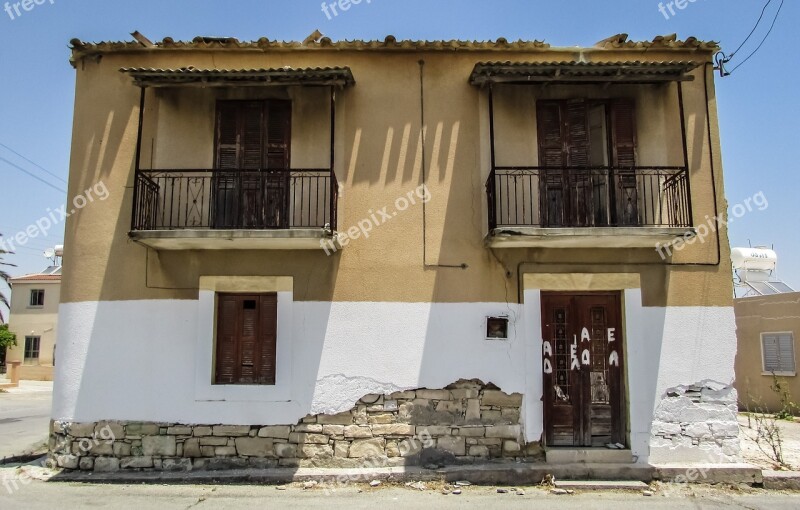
(570, 455)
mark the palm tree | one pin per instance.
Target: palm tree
(4, 276)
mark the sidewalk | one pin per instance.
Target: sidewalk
(26, 387)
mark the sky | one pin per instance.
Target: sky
(758, 103)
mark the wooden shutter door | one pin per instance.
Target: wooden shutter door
(578, 178)
(552, 156)
(278, 156)
(268, 339)
(227, 340)
(227, 163)
(623, 133)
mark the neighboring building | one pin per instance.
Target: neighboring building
(313, 253)
(768, 330)
(34, 319)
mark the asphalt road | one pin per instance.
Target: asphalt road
(48, 495)
(24, 418)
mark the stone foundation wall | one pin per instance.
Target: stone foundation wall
(467, 422)
(697, 423)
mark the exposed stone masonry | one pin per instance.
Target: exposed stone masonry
(467, 422)
(698, 423)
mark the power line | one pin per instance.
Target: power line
(33, 175)
(43, 169)
(752, 31)
(763, 40)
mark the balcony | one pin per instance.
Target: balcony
(587, 207)
(234, 209)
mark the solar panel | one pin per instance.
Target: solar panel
(762, 288)
(781, 287)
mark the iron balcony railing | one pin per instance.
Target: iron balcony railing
(575, 197)
(234, 199)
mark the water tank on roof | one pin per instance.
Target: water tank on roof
(754, 259)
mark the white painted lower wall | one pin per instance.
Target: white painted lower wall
(151, 360)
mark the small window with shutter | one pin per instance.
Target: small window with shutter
(778, 353)
(247, 330)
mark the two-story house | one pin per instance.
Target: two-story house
(33, 317)
(419, 252)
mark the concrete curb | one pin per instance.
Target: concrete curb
(782, 480)
(487, 474)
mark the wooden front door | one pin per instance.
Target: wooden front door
(583, 369)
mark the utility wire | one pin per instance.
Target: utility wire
(33, 175)
(752, 31)
(763, 40)
(40, 167)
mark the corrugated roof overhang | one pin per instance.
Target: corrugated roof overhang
(581, 72)
(189, 76)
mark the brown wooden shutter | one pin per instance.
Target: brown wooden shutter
(252, 135)
(227, 340)
(551, 140)
(248, 339)
(623, 131)
(577, 133)
(268, 339)
(227, 149)
(279, 127)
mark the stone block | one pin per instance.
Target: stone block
(661, 428)
(464, 393)
(314, 428)
(451, 444)
(284, 450)
(392, 449)
(470, 431)
(254, 447)
(382, 419)
(207, 451)
(97, 448)
(362, 448)
(390, 405)
(490, 441)
(179, 431)
(503, 431)
(191, 448)
(303, 438)
(202, 431)
(724, 429)
(231, 430)
(490, 417)
(336, 419)
(356, 432)
(225, 451)
(68, 461)
(121, 449)
(86, 464)
(159, 446)
(433, 431)
(81, 429)
(333, 430)
(341, 449)
(277, 432)
(511, 447)
(311, 451)
(213, 441)
(395, 429)
(373, 398)
(106, 465)
(500, 399)
(136, 462)
(479, 451)
(141, 429)
(403, 395)
(449, 406)
(698, 431)
(109, 430)
(176, 464)
(510, 415)
(473, 411)
(434, 394)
